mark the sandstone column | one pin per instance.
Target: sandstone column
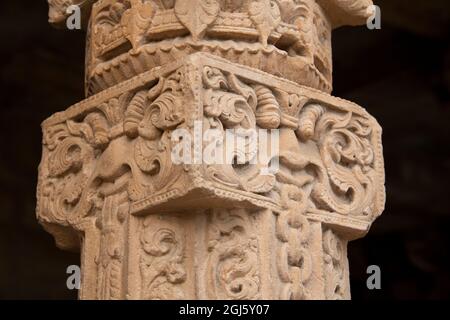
(150, 228)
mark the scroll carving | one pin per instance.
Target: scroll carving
(347, 176)
(231, 104)
(125, 142)
(161, 262)
(109, 160)
(68, 170)
(233, 263)
(335, 261)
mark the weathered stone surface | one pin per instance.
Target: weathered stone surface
(287, 38)
(153, 229)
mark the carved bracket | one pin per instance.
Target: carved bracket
(330, 155)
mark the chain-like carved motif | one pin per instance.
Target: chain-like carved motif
(294, 261)
(155, 68)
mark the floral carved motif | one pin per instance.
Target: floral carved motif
(233, 265)
(347, 178)
(125, 143)
(197, 15)
(335, 264)
(343, 177)
(231, 104)
(108, 172)
(161, 262)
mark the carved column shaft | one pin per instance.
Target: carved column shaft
(151, 228)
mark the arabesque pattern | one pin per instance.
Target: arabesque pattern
(152, 228)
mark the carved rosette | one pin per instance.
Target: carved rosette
(107, 172)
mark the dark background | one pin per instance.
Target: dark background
(400, 74)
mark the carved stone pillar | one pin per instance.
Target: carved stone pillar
(149, 228)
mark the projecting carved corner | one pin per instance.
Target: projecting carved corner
(121, 141)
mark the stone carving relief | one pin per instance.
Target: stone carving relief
(197, 15)
(339, 178)
(347, 177)
(139, 165)
(233, 264)
(293, 254)
(161, 262)
(124, 144)
(284, 37)
(155, 228)
(231, 104)
(111, 256)
(336, 269)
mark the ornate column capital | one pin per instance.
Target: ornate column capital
(154, 228)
